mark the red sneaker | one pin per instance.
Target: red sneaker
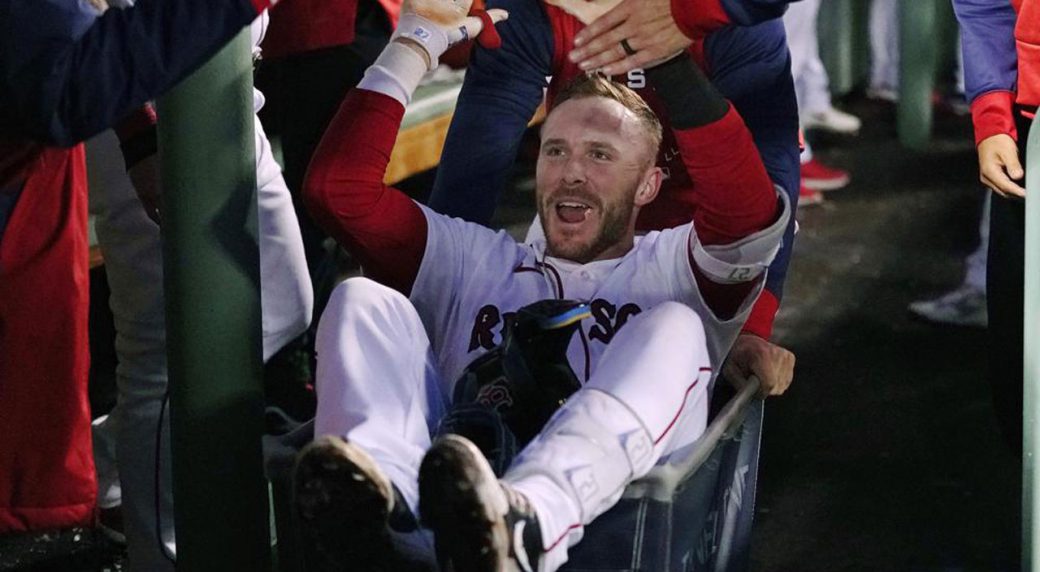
(808, 197)
(820, 177)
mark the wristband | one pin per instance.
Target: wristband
(432, 38)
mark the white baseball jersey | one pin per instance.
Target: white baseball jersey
(471, 277)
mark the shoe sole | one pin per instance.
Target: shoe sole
(922, 316)
(342, 503)
(826, 184)
(460, 500)
(810, 200)
(811, 125)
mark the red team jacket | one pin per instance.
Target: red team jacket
(303, 25)
(65, 75)
(1001, 43)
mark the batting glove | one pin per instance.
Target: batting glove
(436, 25)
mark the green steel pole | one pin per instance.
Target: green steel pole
(212, 280)
(918, 38)
(1031, 365)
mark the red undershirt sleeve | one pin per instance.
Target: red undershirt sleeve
(344, 191)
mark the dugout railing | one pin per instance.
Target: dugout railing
(1031, 355)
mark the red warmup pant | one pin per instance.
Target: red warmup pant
(46, 463)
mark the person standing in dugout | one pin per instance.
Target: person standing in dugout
(1000, 40)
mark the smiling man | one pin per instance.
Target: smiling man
(665, 308)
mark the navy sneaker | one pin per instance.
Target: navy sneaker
(479, 523)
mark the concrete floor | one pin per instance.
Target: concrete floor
(884, 455)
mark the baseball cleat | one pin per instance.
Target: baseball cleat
(832, 120)
(344, 505)
(479, 523)
(819, 177)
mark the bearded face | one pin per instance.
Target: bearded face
(581, 226)
(593, 164)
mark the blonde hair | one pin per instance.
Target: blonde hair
(599, 85)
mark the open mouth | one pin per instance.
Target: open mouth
(572, 212)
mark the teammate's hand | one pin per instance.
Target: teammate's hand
(647, 26)
(999, 166)
(770, 363)
(145, 177)
(433, 26)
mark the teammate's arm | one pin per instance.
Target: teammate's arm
(656, 29)
(60, 85)
(501, 91)
(990, 78)
(736, 198)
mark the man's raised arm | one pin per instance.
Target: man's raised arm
(738, 208)
(344, 190)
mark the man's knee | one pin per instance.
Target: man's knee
(363, 303)
(357, 292)
(675, 321)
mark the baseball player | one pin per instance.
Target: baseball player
(665, 307)
(750, 66)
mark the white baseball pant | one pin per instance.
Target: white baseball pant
(884, 45)
(810, 77)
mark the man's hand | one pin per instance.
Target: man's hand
(432, 26)
(770, 363)
(145, 177)
(999, 167)
(646, 26)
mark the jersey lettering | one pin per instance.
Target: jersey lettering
(483, 337)
(636, 79)
(489, 321)
(609, 319)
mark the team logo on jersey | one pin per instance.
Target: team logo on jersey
(495, 394)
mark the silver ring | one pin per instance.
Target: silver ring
(628, 49)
